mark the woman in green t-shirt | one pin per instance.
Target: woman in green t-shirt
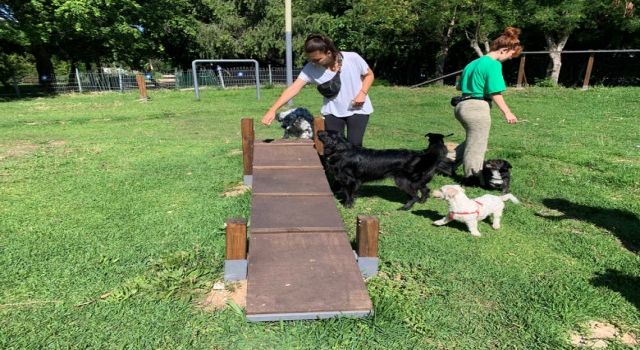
(482, 83)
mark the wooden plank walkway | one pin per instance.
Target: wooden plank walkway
(300, 262)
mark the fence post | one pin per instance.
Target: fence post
(235, 263)
(318, 124)
(220, 76)
(270, 77)
(79, 80)
(142, 86)
(367, 231)
(120, 79)
(587, 75)
(248, 136)
(521, 72)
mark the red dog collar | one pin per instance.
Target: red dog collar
(477, 212)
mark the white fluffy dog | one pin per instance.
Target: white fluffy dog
(470, 211)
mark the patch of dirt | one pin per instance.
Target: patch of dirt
(236, 191)
(57, 143)
(24, 148)
(598, 335)
(222, 293)
(20, 149)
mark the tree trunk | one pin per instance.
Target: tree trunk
(44, 66)
(474, 43)
(556, 46)
(71, 78)
(441, 55)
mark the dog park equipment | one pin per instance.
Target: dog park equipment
(300, 263)
(195, 73)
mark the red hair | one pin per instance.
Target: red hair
(509, 40)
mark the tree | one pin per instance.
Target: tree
(479, 19)
(557, 19)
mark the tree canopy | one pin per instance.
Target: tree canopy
(397, 37)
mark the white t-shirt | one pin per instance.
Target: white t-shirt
(353, 68)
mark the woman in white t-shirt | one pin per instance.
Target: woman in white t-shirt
(343, 78)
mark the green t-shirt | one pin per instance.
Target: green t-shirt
(482, 77)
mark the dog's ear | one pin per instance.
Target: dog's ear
(450, 192)
(506, 164)
(435, 138)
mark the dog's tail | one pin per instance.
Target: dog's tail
(510, 197)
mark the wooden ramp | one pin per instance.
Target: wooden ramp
(300, 262)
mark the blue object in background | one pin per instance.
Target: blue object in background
(148, 76)
(240, 74)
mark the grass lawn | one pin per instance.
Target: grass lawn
(112, 212)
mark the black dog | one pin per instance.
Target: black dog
(296, 122)
(496, 174)
(351, 166)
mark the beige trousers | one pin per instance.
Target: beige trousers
(475, 117)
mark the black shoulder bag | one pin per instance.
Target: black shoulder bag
(330, 88)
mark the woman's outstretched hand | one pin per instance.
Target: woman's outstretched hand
(268, 117)
(511, 118)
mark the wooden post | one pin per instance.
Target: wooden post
(248, 137)
(457, 80)
(521, 72)
(142, 86)
(367, 236)
(587, 75)
(236, 239)
(318, 124)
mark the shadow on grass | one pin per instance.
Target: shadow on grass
(626, 285)
(389, 193)
(622, 223)
(434, 215)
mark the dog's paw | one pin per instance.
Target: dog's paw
(348, 205)
(440, 222)
(476, 234)
(405, 207)
(496, 226)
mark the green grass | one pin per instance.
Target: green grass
(111, 224)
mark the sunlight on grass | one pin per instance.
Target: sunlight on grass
(112, 219)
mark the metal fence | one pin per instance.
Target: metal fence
(126, 80)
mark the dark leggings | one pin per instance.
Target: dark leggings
(356, 124)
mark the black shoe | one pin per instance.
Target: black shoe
(471, 181)
(447, 167)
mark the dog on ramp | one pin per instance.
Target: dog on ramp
(471, 211)
(297, 122)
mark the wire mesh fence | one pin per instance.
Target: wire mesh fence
(126, 80)
(611, 68)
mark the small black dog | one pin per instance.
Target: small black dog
(351, 166)
(296, 122)
(496, 174)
